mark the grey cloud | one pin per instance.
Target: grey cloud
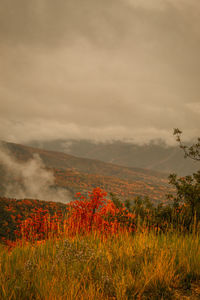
(49, 22)
(99, 69)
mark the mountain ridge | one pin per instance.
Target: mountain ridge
(156, 155)
(80, 174)
(74, 158)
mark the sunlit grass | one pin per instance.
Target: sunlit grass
(127, 266)
(98, 252)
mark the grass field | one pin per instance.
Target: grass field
(126, 266)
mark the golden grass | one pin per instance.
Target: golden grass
(128, 266)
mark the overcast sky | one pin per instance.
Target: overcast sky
(99, 69)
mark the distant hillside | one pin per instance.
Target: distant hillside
(81, 175)
(153, 156)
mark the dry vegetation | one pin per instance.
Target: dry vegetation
(126, 266)
(100, 251)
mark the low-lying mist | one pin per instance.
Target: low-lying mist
(29, 179)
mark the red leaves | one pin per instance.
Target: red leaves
(94, 213)
(39, 226)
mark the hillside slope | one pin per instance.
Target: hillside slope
(79, 174)
(153, 156)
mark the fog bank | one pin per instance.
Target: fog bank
(29, 179)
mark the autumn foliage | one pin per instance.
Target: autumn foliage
(94, 213)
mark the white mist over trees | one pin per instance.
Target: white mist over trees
(30, 179)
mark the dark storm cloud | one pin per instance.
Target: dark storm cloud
(106, 69)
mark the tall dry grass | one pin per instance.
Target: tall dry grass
(142, 265)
